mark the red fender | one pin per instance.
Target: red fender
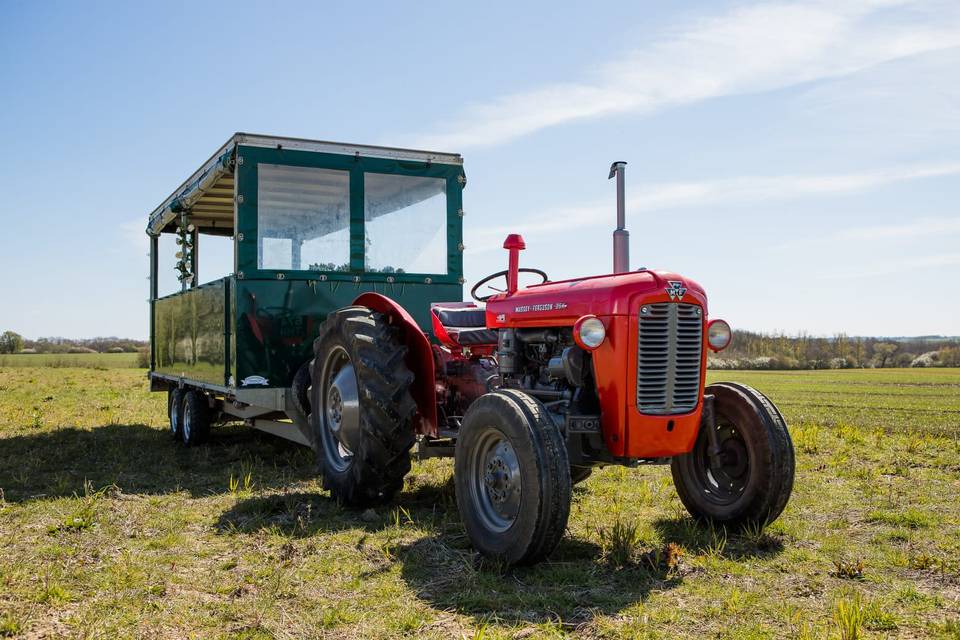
(419, 358)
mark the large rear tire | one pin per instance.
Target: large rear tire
(361, 407)
(512, 478)
(753, 476)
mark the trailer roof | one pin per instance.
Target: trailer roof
(209, 192)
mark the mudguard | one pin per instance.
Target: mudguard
(419, 358)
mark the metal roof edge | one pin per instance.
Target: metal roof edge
(346, 148)
(212, 160)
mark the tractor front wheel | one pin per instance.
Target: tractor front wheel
(750, 477)
(361, 407)
(512, 478)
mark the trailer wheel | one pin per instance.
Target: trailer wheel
(579, 474)
(175, 411)
(512, 478)
(362, 410)
(752, 479)
(196, 418)
(301, 388)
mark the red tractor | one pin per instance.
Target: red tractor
(531, 387)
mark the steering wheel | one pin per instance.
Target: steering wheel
(502, 274)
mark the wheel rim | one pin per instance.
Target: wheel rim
(495, 485)
(723, 483)
(187, 423)
(174, 415)
(339, 410)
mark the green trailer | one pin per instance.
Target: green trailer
(314, 225)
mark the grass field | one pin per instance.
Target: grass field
(109, 530)
(62, 360)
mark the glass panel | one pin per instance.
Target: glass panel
(216, 257)
(406, 224)
(303, 218)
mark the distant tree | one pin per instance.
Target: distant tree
(10, 342)
(883, 352)
(950, 357)
(902, 360)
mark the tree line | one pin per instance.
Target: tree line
(748, 350)
(752, 350)
(12, 342)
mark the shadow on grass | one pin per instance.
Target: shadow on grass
(576, 583)
(571, 588)
(700, 538)
(301, 515)
(140, 459)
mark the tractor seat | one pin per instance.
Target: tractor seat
(461, 324)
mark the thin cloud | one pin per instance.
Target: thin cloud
(915, 229)
(747, 189)
(897, 266)
(747, 50)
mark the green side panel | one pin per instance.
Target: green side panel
(190, 333)
(277, 320)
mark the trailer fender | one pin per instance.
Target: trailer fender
(419, 358)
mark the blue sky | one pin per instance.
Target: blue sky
(800, 160)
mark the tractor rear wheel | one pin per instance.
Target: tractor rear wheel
(175, 411)
(751, 479)
(361, 407)
(512, 478)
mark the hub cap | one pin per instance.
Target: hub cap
(723, 481)
(495, 483)
(340, 410)
(187, 423)
(174, 415)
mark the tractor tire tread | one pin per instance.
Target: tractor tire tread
(777, 463)
(542, 520)
(377, 469)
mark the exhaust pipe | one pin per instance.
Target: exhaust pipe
(621, 237)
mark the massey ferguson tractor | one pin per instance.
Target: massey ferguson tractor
(342, 327)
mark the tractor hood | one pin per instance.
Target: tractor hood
(564, 302)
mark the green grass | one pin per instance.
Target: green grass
(109, 530)
(62, 360)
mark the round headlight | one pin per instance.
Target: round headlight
(719, 335)
(589, 332)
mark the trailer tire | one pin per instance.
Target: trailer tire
(361, 407)
(512, 478)
(175, 411)
(755, 478)
(301, 388)
(196, 418)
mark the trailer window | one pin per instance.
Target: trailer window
(303, 218)
(405, 220)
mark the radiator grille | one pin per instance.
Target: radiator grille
(668, 358)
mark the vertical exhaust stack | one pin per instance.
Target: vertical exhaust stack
(621, 237)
